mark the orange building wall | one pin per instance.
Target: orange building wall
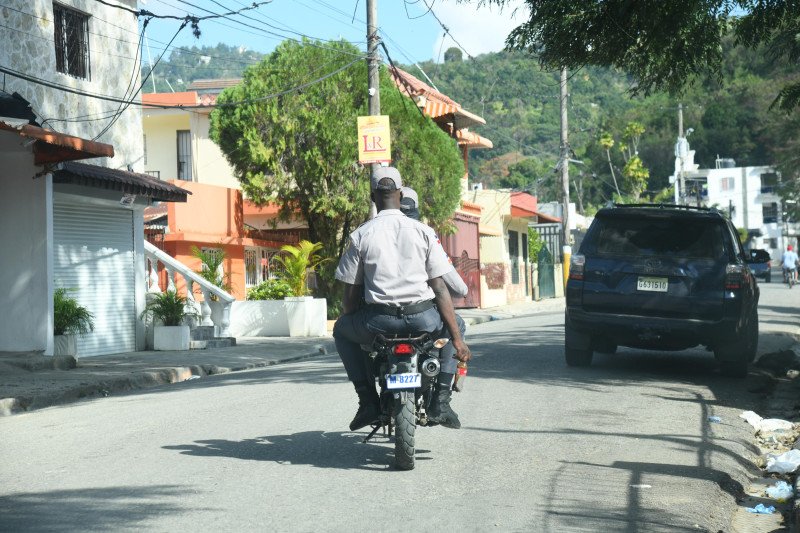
(233, 265)
(210, 210)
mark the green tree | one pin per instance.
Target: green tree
(299, 150)
(453, 54)
(663, 45)
(636, 175)
(607, 142)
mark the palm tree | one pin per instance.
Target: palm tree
(297, 262)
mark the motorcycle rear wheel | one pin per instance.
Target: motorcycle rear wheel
(405, 427)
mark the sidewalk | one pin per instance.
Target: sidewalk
(32, 381)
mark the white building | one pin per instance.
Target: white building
(750, 196)
(62, 223)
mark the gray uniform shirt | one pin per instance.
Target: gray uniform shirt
(393, 256)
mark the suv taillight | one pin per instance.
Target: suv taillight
(576, 266)
(734, 276)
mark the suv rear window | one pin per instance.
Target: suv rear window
(702, 239)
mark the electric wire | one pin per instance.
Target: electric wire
(144, 81)
(46, 83)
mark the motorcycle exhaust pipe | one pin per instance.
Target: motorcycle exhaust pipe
(431, 367)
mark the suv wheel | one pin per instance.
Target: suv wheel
(734, 357)
(577, 346)
(578, 357)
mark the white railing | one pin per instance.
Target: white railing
(153, 256)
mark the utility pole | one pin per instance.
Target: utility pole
(682, 182)
(565, 176)
(373, 61)
(564, 157)
(373, 75)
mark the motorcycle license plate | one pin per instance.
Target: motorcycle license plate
(403, 381)
(652, 284)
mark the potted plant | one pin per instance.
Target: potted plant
(212, 270)
(263, 314)
(297, 262)
(69, 319)
(307, 316)
(170, 309)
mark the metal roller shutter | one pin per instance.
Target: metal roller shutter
(93, 254)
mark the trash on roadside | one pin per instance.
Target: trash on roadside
(760, 509)
(781, 491)
(785, 463)
(766, 425)
(714, 419)
(192, 377)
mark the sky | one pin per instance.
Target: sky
(409, 28)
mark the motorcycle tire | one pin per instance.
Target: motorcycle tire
(405, 427)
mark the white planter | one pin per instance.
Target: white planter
(171, 338)
(65, 345)
(293, 317)
(307, 316)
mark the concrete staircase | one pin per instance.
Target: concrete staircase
(203, 337)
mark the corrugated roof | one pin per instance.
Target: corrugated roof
(210, 85)
(118, 180)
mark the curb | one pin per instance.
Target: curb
(138, 380)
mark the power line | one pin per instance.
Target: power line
(141, 86)
(189, 19)
(262, 30)
(126, 30)
(45, 83)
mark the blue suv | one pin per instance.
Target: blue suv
(662, 277)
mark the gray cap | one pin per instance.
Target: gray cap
(409, 194)
(386, 172)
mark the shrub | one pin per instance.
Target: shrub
(69, 317)
(272, 289)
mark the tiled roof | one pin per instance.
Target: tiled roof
(118, 180)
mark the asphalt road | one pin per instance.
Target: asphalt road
(624, 445)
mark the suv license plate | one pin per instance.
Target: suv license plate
(403, 381)
(652, 284)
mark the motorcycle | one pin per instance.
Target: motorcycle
(406, 368)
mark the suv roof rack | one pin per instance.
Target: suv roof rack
(671, 206)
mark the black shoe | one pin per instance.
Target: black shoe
(369, 407)
(441, 412)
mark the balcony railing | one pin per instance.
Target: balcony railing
(173, 267)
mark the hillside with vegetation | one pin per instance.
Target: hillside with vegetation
(520, 103)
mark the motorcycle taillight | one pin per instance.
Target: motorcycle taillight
(403, 349)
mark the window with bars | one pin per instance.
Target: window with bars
(71, 41)
(769, 212)
(727, 184)
(184, 155)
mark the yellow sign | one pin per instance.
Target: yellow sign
(374, 140)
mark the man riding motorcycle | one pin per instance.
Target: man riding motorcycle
(394, 263)
(409, 205)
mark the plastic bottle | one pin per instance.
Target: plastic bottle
(461, 376)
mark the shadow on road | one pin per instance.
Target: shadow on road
(314, 448)
(88, 509)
